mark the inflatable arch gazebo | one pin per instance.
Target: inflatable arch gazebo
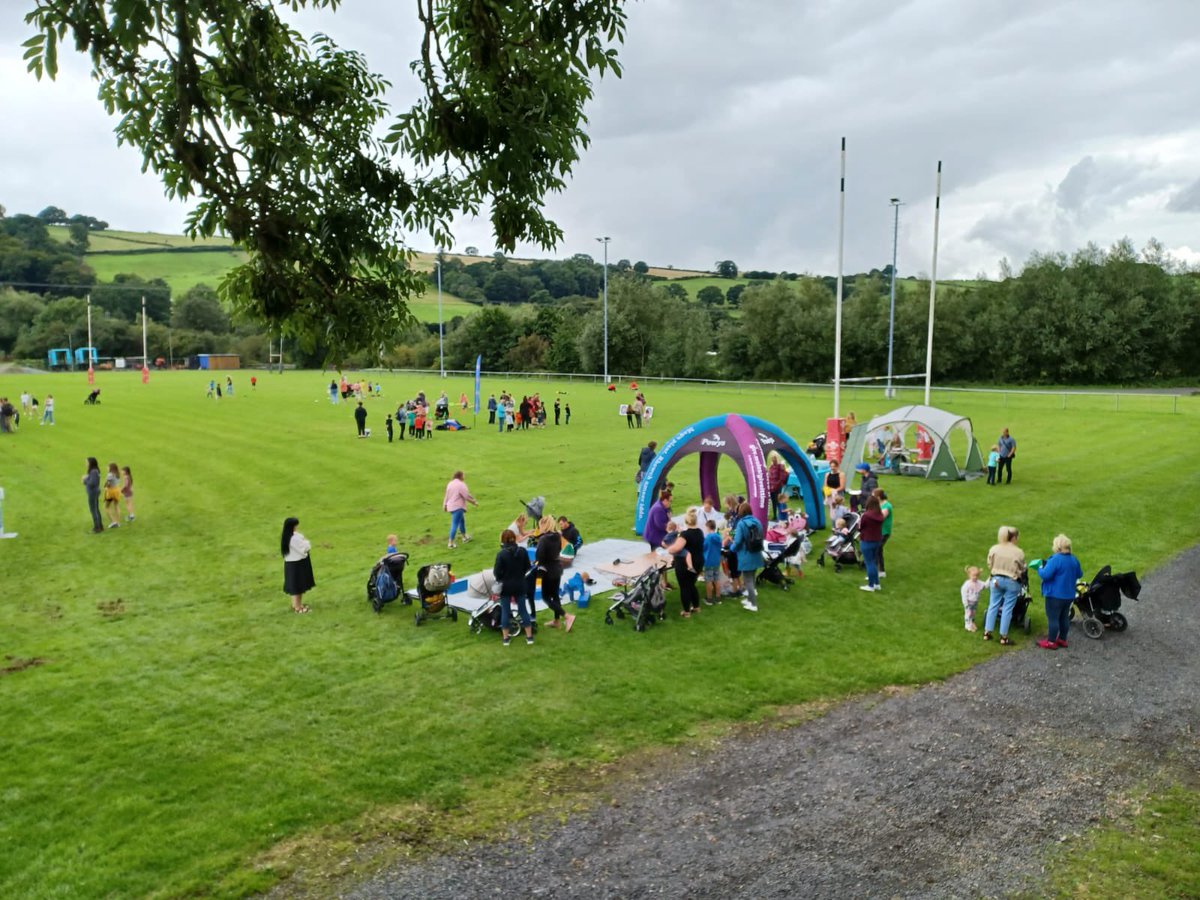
(747, 440)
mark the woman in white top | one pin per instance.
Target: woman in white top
(297, 567)
(709, 513)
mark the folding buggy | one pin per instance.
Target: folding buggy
(433, 581)
(643, 601)
(842, 548)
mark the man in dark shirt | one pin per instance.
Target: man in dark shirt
(569, 532)
(1008, 449)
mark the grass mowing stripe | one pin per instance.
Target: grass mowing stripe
(180, 695)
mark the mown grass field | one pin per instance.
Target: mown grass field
(169, 727)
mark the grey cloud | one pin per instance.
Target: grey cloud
(1187, 200)
(721, 139)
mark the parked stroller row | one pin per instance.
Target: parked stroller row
(386, 584)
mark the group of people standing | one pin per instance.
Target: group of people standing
(700, 545)
(1007, 576)
(345, 390)
(517, 578)
(635, 412)
(117, 488)
(214, 388)
(509, 415)
(10, 416)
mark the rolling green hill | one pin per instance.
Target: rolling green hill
(183, 263)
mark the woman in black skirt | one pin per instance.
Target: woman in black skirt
(297, 567)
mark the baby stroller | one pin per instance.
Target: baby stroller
(1020, 614)
(1099, 601)
(386, 581)
(432, 583)
(535, 508)
(643, 601)
(93, 398)
(488, 616)
(843, 548)
(774, 560)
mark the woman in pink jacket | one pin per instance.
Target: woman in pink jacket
(455, 502)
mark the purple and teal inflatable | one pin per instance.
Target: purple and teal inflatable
(747, 440)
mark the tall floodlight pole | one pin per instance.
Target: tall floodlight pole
(145, 358)
(837, 331)
(896, 204)
(604, 241)
(441, 330)
(88, 348)
(937, 214)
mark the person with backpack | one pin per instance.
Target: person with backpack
(510, 568)
(747, 543)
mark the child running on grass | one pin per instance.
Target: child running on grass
(971, 590)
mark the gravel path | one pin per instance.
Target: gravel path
(956, 789)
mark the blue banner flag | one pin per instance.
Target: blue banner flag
(478, 366)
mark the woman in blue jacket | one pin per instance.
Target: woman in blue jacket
(748, 531)
(1059, 574)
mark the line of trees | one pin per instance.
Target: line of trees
(500, 280)
(44, 303)
(1094, 317)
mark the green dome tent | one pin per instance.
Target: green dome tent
(938, 423)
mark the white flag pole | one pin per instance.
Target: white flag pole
(937, 213)
(837, 334)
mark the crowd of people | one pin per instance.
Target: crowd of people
(10, 414)
(1008, 577)
(214, 388)
(115, 488)
(509, 414)
(341, 390)
(730, 543)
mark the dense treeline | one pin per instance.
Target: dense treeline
(500, 280)
(1095, 317)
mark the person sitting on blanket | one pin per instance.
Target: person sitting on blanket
(517, 527)
(569, 532)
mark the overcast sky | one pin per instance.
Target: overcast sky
(1057, 123)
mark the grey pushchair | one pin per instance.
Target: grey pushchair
(643, 601)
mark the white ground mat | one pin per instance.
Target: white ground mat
(602, 560)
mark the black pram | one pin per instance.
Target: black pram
(1020, 614)
(774, 561)
(1099, 601)
(383, 589)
